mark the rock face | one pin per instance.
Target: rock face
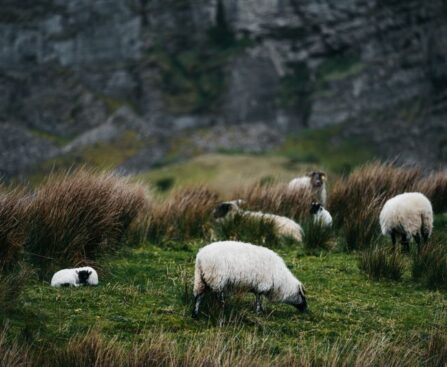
(376, 67)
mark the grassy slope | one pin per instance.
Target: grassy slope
(148, 290)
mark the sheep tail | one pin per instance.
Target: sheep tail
(199, 283)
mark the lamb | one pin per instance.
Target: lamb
(313, 181)
(75, 277)
(244, 266)
(407, 215)
(320, 214)
(283, 225)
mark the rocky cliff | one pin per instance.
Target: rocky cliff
(79, 72)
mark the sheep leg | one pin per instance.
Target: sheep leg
(393, 238)
(222, 299)
(198, 299)
(418, 240)
(405, 243)
(259, 307)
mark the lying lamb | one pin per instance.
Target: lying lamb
(313, 181)
(283, 225)
(75, 277)
(231, 264)
(407, 215)
(320, 214)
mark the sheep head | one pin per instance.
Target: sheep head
(315, 207)
(227, 208)
(83, 276)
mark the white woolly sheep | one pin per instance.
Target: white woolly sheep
(407, 215)
(75, 277)
(237, 265)
(320, 214)
(283, 226)
(313, 181)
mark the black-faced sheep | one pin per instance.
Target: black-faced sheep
(320, 214)
(314, 181)
(75, 277)
(283, 226)
(229, 264)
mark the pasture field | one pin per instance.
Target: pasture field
(140, 314)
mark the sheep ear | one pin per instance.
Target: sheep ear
(89, 272)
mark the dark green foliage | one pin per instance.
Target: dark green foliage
(430, 265)
(317, 237)
(221, 34)
(12, 284)
(164, 184)
(382, 262)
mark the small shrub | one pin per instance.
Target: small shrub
(76, 217)
(430, 265)
(317, 237)
(382, 263)
(246, 229)
(165, 184)
(183, 216)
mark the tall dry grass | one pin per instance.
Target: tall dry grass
(12, 227)
(382, 263)
(276, 199)
(232, 349)
(183, 216)
(355, 201)
(434, 186)
(75, 217)
(430, 264)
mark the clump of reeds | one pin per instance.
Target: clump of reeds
(382, 262)
(430, 265)
(12, 284)
(75, 217)
(184, 215)
(317, 237)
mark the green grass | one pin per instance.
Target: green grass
(216, 169)
(148, 289)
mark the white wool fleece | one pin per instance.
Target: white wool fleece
(70, 277)
(305, 183)
(246, 267)
(323, 217)
(408, 212)
(283, 226)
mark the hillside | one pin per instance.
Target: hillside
(149, 78)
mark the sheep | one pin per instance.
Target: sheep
(407, 215)
(282, 225)
(313, 181)
(75, 277)
(230, 264)
(320, 214)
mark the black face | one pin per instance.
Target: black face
(315, 208)
(221, 210)
(302, 302)
(83, 276)
(317, 178)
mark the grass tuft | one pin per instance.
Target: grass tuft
(76, 217)
(382, 263)
(317, 237)
(430, 265)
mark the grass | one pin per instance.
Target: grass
(140, 312)
(145, 292)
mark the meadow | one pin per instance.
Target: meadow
(369, 305)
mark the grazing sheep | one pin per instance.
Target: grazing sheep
(75, 277)
(313, 181)
(320, 214)
(237, 265)
(282, 225)
(407, 215)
